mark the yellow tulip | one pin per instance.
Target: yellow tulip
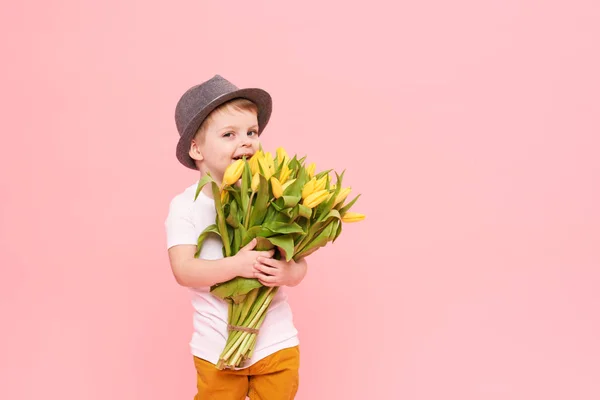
(321, 183)
(352, 217)
(267, 165)
(224, 196)
(287, 184)
(282, 156)
(255, 182)
(270, 161)
(330, 195)
(233, 172)
(254, 162)
(316, 198)
(311, 169)
(265, 168)
(308, 188)
(284, 174)
(341, 196)
(276, 186)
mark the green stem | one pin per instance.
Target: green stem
(247, 219)
(255, 337)
(247, 304)
(262, 293)
(239, 353)
(252, 324)
(230, 308)
(235, 316)
(251, 346)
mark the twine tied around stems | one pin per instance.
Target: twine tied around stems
(241, 328)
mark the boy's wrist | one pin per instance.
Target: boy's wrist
(233, 266)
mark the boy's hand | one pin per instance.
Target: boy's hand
(247, 257)
(271, 272)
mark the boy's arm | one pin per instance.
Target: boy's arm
(196, 272)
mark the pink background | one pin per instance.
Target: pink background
(471, 128)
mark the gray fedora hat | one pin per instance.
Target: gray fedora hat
(200, 100)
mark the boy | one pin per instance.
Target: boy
(219, 123)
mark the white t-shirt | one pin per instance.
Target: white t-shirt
(186, 220)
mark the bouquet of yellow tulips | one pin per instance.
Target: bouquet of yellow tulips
(287, 207)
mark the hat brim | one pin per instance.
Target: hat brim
(261, 98)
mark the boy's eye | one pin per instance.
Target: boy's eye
(252, 132)
(227, 134)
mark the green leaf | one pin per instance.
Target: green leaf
(251, 233)
(319, 241)
(202, 182)
(285, 243)
(295, 189)
(338, 232)
(304, 254)
(324, 208)
(322, 174)
(263, 244)
(284, 215)
(278, 165)
(235, 288)
(339, 178)
(235, 194)
(282, 227)
(317, 228)
(259, 209)
(243, 234)
(221, 223)
(334, 229)
(289, 201)
(304, 211)
(237, 240)
(277, 205)
(209, 229)
(345, 209)
(246, 181)
(330, 215)
(232, 218)
(255, 232)
(293, 163)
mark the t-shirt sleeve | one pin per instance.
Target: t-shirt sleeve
(179, 224)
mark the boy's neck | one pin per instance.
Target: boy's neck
(207, 190)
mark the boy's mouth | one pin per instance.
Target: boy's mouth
(242, 156)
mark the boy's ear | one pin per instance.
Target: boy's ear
(195, 151)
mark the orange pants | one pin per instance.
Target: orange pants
(273, 378)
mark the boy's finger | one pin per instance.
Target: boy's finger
(268, 261)
(264, 278)
(265, 269)
(267, 254)
(250, 245)
(267, 284)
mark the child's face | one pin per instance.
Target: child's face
(229, 134)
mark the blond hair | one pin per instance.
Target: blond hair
(238, 104)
